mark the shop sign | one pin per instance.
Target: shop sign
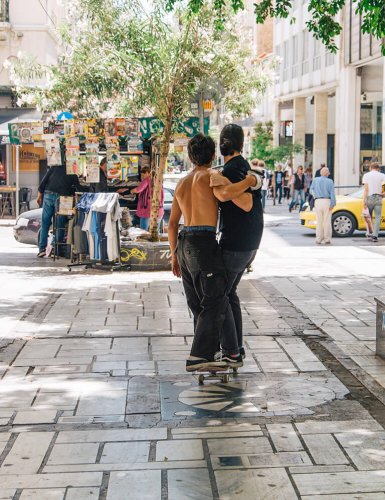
(153, 126)
(29, 158)
(208, 105)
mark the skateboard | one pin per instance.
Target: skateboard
(215, 374)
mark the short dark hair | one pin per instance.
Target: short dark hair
(201, 150)
(231, 139)
(376, 165)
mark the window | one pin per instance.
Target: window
(278, 55)
(4, 11)
(316, 54)
(330, 58)
(305, 52)
(294, 69)
(286, 60)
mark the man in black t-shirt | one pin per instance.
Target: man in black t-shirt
(278, 181)
(241, 224)
(55, 183)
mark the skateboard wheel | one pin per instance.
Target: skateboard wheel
(201, 379)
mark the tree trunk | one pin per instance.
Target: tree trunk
(157, 183)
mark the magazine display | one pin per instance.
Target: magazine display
(73, 155)
(52, 149)
(92, 160)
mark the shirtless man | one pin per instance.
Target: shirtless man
(197, 258)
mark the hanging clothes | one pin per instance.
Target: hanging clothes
(102, 214)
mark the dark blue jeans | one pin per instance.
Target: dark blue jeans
(236, 263)
(264, 193)
(205, 284)
(278, 192)
(298, 193)
(49, 207)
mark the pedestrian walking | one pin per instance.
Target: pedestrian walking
(286, 186)
(260, 167)
(308, 181)
(278, 183)
(322, 189)
(55, 183)
(374, 193)
(298, 188)
(318, 172)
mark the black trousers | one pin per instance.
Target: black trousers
(205, 283)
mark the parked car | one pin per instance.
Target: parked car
(346, 215)
(27, 227)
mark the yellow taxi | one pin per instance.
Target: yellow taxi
(346, 215)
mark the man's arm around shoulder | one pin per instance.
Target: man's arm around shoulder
(225, 190)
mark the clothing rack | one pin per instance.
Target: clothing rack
(55, 229)
(96, 264)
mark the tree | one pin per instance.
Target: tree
(123, 58)
(286, 152)
(262, 143)
(323, 13)
(263, 149)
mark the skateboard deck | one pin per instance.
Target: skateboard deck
(222, 374)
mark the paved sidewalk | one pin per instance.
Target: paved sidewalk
(96, 404)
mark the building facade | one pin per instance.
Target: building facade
(26, 26)
(329, 103)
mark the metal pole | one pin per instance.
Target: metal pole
(17, 179)
(201, 114)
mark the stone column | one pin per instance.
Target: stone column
(299, 125)
(383, 115)
(348, 112)
(320, 138)
(276, 123)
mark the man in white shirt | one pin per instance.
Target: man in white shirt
(373, 182)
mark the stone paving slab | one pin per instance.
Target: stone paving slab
(111, 408)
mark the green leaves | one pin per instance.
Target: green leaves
(373, 18)
(263, 149)
(323, 23)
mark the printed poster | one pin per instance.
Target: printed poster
(95, 127)
(132, 165)
(120, 127)
(80, 127)
(92, 160)
(135, 146)
(52, 149)
(25, 133)
(59, 128)
(66, 205)
(114, 165)
(131, 127)
(109, 127)
(73, 165)
(69, 128)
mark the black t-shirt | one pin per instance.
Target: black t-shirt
(279, 176)
(241, 231)
(57, 181)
